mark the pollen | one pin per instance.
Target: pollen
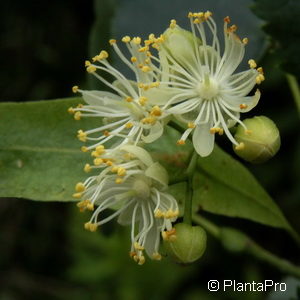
(143, 49)
(91, 69)
(81, 135)
(191, 125)
(136, 40)
(75, 89)
(155, 111)
(79, 187)
(129, 125)
(143, 100)
(126, 39)
(172, 24)
(77, 115)
(146, 69)
(133, 59)
(252, 63)
(98, 161)
(240, 146)
(112, 41)
(87, 168)
(180, 142)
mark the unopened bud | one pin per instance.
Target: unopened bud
(261, 140)
(189, 245)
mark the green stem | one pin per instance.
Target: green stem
(252, 248)
(187, 217)
(176, 126)
(293, 84)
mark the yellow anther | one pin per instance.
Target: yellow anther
(129, 125)
(190, 15)
(148, 53)
(103, 55)
(151, 36)
(81, 135)
(260, 70)
(172, 24)
(240, 146)
(191, 125)
(147, 60)
(243, 106)
(87, 63)
(245, 41)
(136, 40)
(252, 63)
(143, 49)
(91, 69)
(118, 180)
(158, 213)
(129, 99)
(79, 105)
(141, 260)
(141, 85)
(156, 256)
(169, 235)
(197, 21)
(79, 187)
(87, 168)
(232, 28)
(207, 14)
(169, 214)
(259, 78)
(213, 130)
(133, 59)
(106, 133)
(221, 131)
(146, 69)
(155, 84)
(137, 246)
(90, 226)
(112, 41)
(180, 142)
(155, 111)
(248, 132)
(100, 149)
(71, 110)
(227, 20)
(77, 115)
(84, 149)
(121, 171)
(109, 162)
(143, 100)
(132, 254)
(82, 204)
(77, 195)
(96, 58)
(95, 154)
(149, 120)
(126, 39)
(90, 206)
(75, 89)
(98, 161)
(114, 169)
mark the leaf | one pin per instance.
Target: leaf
(283, 25)
(40, 157)
(224, 186)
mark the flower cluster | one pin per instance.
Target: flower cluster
(180, 74)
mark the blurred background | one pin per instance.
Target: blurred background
(44, 250)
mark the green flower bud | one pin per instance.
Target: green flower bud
(233, 240)
(189, 245)
(180, 44)
(261, 140)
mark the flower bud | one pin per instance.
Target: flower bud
(189, 245)
(261, 140)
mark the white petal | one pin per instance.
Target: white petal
(139, 152)
(158, 173)
(98, 98)
(203, 140)
(156, 131)
(125, 218)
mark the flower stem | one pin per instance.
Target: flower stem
(253, 249)
(187, 217)
(293, 84)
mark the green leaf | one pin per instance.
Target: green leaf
(224, 186)
(40, 157)
(283, 25)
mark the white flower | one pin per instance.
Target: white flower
(209, 97)
(133, 112)
(133, 186)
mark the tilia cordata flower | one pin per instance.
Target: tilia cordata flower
(209, 97)
(132, 112)
(134, 187)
